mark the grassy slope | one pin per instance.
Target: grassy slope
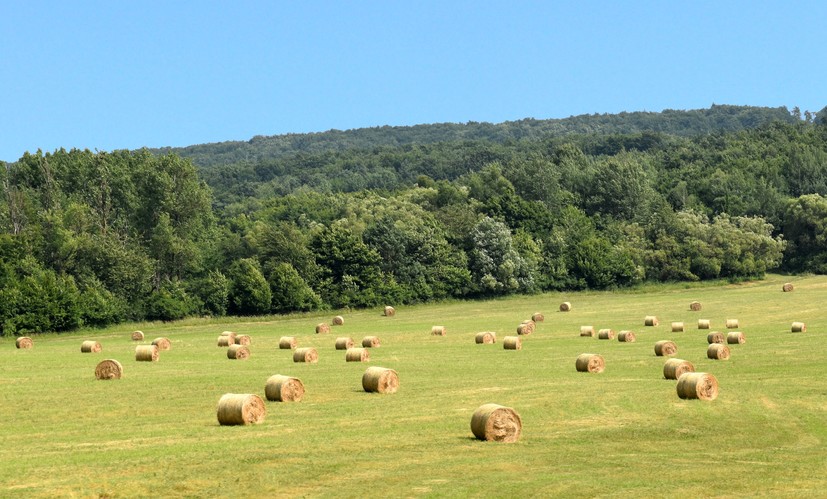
(622, 433)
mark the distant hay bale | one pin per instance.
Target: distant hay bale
(675, 368)
(695, 306)
(526, 327)
(512, 343)
(485, 338)
(380, 380)
(390, 311)
(90, 346)
(650, 320)
(357, 355)
(163, 344)
(718, 351)
(787, 287)
(438, 331)
(677, 327)
(538, 317)
(704, 324)
(281, 388)
(496, 423)
(344, 343)
(732, 324)
(587, 331)
(590, 363)
(735, 338)
(108, 369)
(701, 386)
(322, 328)
(565, 306)
(240, 409)
(137, 336)
(665, 348)
(626, 337)
(307, 355)
(225, 341)
(799, 327)
(287, 342)
(147, 353)
(243, 339)
(338, 321)
(238, 352)
(371, 342)
(606, 334)
(24, 342)
(715, 337)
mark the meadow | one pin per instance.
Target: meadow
(621, 433)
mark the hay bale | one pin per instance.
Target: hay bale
(147, 353)
(538, 317)
(162, 343)
(587, 331)
(704, 324)
(787, 287)
(732, 324)
(225, 341)
(695, 306)
(701, 386)
(357, 355)
(390, 311)
(715, 337)
(565, 306)
(137, 336)
(606, 334)
(718, 351)
(23, 342)
(512, 343)
(243, 339)
(108, 369)
(283, 389)
(238, 352)
(590, 363)
(665, 348)
(240, 409)
(526, 327)
(380, 380)
(677, 327)
(438, 331)
(650, 320)
(322, 328)
(338, 321)
(626, 337)
(496, 423)
(799, 327)
(735, 338)
(307, 355)
(344, 343)
(371, 342)
(90, 346)
(485, 338)
(287, 342)
(675, 368)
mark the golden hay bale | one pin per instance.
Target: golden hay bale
(485, 338)
(735, 338)
(677, 327)
(701, 386)
(23, 342)
(787, 287)
(665, 348)
(147, 353)
(344, 343)
(715, 337)
(650, 320)
(380, 380)
(357, 355)
(718, 351)
(497, 423)
(108, 369)
(587, 331)
(371, 342)
(732, 324)
(338, 320)
(283, 389)
(322, 328)
(225, 341)
(287, 342)
(626, 337)
(538, 317)
(90, 346)
(390, 311)
(704, 324)
(238, 352)
(675, 368)
(799, 327)
(606, 334)
(438, 331)
(243, 339)
(162, 343)
(695, 306)
(308, 355)
(137, 336)
(525, 328)
(590, 363)
(512, 343)
(240, 409)
(565, 306)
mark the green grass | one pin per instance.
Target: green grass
(621, 433)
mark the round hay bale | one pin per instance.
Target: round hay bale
(715, 337)
(225, 341)
(799, 327)
(108, 369)
(380, 380)
(587, 331)
(626, 337)
(787, 287)
(695, 306)
(307, 355)
(674, 368)
(23, 342)
(240, 409)
(137, 336)
(344, 343)
(538, 317)
(162, 343)
(735, 338)
(590, 363)
(287, 342)
(732, 324)
(90, 346)
(677, 327)
(606, 334)
(338, 321)
(701, 386)
(147, 353)
(243, 339)
(438, 331)
(371, 342)
(357, 355)
(704, 324)
(650, 320)
(718, 351)
(496, 423)
(238, 352)
(526, 327)
(485, 338)
(565, 306)
(512, 343)
(322, 328)
(665, 348)
(390, 311)
(283, 389)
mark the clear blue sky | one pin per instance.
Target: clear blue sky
(116, 74)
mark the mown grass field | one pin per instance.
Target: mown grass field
(621, 433)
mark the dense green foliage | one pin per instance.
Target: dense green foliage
(98, 238)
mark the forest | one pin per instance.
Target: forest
(395, 215)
